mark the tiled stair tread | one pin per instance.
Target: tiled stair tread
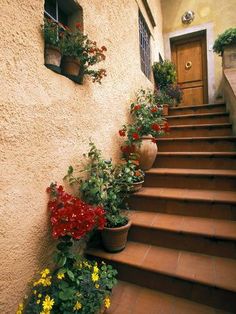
(128, 298)
(197, 138)
(215, 228)
(189, 194)
(198, 115)
(196, 126)
(194, 267)
(207, 154)
(197, 106)
(192, 172)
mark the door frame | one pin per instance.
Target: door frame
(201, 36)
(208, 28)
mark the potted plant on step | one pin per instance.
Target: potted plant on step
(52, 53)
(107, 185)
(164, 73)
(146, 125)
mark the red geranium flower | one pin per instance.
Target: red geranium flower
(154, 140)
(78, 25)
(156, 127)
(122, 132)
(166, 127)
(135, 136)
(154, 109)
(137, 107)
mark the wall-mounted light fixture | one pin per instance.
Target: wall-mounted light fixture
(188, 17)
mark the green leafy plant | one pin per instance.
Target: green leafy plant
(146, 119)
(224, 39)
(51, 33)
(104, 184)
(174, 92)
(164, 73)
(164, 98)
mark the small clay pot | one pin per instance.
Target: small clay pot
(165, 110)
(52, 56)
(147, 152)
(137, 186)
(115, 239)
(70, 66)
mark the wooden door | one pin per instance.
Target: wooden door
(189, 56)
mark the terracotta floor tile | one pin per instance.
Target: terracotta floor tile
(165, 221)
(225, 228)
(187, 307)
(197, 225)
(142, 218)
(161, 259)
(197, 267)
(225, 273)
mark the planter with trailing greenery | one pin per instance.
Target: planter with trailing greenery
(147, 124)
(109, 186)
(164, 73)
(52, 52)
(74, 284)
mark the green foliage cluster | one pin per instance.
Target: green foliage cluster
(224, 39)
(105, 184)
(50, 31)
(164, 73)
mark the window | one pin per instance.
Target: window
(144, 44)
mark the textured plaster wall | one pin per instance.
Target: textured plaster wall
(47, 120)
(221, 13)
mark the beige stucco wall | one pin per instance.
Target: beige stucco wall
(220, 13)
(47, 120)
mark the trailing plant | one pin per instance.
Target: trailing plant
(74, 284)
(224, 39)
(146, 119)
(164, 73)
(104, 184)
(51, 33)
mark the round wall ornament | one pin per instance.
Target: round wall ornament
(188, 17)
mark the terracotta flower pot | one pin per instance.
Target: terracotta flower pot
(147, 152)
(114, 239)
(52, 56)
(165, 110)
(137, 186)
(70, 66)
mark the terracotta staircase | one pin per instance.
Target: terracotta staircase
(181, 253)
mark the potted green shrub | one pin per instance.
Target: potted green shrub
(225, 46)
(164, 73)
(80, 53)
(52, 52)
(74, 284)
(147, 124)
(109, 186)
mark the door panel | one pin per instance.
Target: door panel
(189, 56)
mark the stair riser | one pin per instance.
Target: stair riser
(203, 132)
(197, 110)
(181, 241)
(218, 298)
(198, 120)
(182, 207)
(190, 182)
(202, 145)
(195, 162)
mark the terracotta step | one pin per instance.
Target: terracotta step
(207, 108)
(128, 298)
(200, 278)
(187, 202)
(203, 130)
(209, 179)
(200, 235)
(203, 118)
(196, 160)
(197, 144)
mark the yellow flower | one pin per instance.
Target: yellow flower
(95, 277)
(95, 269)
(20, 309)
(45, 272)
(107, 302)
(39, 295)
(97, 286)
(38, 301)
(77, 306)
(47, 303)
(60, 276)
(86, 264)
(35, 291)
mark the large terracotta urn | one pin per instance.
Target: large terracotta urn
(147, 152)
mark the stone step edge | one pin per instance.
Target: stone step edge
(198, 115)
(104, 255)
(198, 138)
(201, 126)
(181, 231)
(197, 154)
(191, 172)
(197, 106)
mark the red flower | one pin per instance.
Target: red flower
(128, 149)
(154, 140)
(135, 136)
(78, 25)
(137, 107)
(156, 127)
(166, 127)
(154, 109)
(122, 132)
